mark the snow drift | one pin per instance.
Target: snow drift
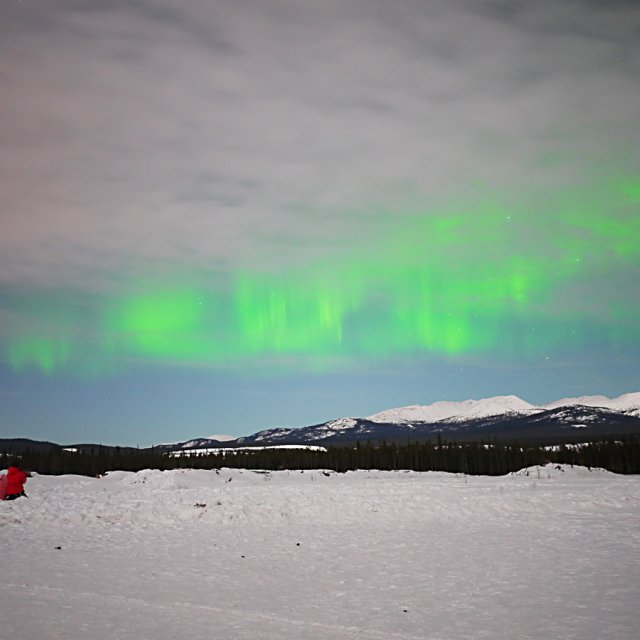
(545, 552)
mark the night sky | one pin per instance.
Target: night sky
(223, 216)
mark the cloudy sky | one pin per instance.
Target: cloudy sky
(225, 215)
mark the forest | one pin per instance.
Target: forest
(473, 458)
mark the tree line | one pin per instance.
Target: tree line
(473, 458)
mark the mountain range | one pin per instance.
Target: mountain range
(500, 417)
(503, 417)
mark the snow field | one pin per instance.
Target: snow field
(318, 555)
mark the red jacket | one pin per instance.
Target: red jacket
(15, 480)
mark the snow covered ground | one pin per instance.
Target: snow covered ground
(367, 555)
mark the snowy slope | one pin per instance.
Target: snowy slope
(238, 555)
(456, 411)
(586, 401)
(221, 438)
(628, 403)
(497, 416)
(197, 442)
(511, 405)
(313, 433)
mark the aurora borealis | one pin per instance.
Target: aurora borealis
(474, 283)
(438, 201)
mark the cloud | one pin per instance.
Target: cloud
(216, 136)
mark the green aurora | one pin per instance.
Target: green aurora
(477, 278)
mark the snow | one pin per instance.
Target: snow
(497, 406)
(568, 416)
(191, 443)
(267, 433)
(585, 401)
(557, 447)
(341, 423)
(456, 411)
(544, 553)
(195, 442)
(219, 450)
(628, 402)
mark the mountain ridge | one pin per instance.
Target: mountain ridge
(498, 405)
(457, 411)
(498, 417)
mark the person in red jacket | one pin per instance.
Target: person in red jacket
(16, 478)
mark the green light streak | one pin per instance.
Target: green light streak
(286, 314)
(43, 354)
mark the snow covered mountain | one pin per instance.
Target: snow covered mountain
(456, 411)
(628, 403)
(499, 416)
(504, 417)
(221, 438)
